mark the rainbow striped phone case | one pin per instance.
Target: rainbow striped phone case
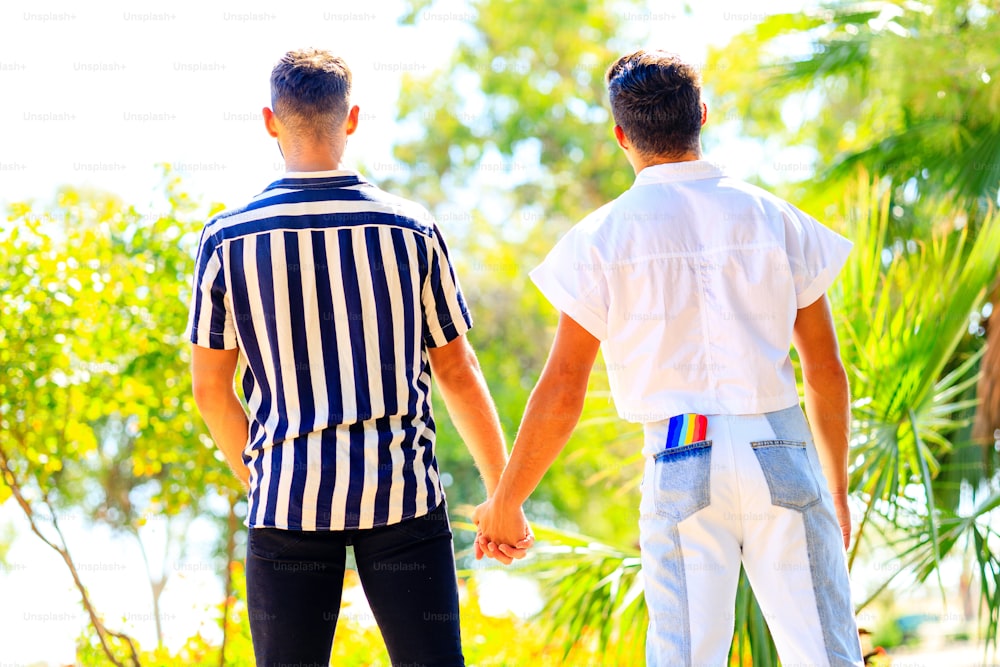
(685, 429)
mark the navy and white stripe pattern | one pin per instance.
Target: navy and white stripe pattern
(333, 290)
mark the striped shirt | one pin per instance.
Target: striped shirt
(332, 290)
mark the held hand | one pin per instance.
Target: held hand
(504, 533)
(843, 516)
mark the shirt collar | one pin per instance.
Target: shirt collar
(674, 172)
(318, 179)
(329, 173)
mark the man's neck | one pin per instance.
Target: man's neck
(312, 157)
(641, 163)
(312, 164)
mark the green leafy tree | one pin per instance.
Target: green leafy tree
(96, 414)
(906, 309)
(906, 90)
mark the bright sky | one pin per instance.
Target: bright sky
(98, 93)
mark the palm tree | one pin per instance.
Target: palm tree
(907, 91)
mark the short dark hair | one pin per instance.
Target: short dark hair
(311, 89)
(656, 100)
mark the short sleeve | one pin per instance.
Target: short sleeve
(210, 321)
(816, 255)
(446, 316)
(572, 278)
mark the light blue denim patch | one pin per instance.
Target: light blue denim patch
(681, 487)
(669, 618)
(789, 476)
(793, 484)
(683, 480)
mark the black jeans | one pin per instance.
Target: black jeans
(295, 580)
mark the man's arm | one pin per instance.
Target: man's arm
(463, 388)
(827, 398)
(212, 373)
(549, 419)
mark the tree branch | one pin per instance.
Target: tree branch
(232, 523)
(16, 488)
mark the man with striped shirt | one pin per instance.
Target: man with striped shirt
(335, 301)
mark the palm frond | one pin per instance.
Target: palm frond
(594, 594)
(920, 553)
(753, 645)
(901, 328)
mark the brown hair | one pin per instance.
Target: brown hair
(656, 99)
(310, 90)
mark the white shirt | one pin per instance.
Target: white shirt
(691, 281)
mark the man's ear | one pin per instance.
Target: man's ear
(270, 122)
(704, 113)
(621, 138)
(352, 120)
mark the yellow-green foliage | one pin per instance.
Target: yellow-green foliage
(488, 641)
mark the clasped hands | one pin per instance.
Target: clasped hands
(502, 531)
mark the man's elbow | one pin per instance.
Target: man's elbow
(457, 368)
(828, 371)
(208, 392)
(212, 376)
(564, 392)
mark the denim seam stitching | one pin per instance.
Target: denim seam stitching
(791, 444)
(673, 451)
(797, 508)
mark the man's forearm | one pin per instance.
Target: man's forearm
(229, 426)
(212, 377)
(475, 417)
(552, 412)
(827, 399)
(827, 394)
(549, 419)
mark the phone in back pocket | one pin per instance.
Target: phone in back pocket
(685, 429)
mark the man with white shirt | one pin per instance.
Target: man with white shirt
(336, 301)
(695, 285)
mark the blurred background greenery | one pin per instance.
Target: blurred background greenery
(895, 107)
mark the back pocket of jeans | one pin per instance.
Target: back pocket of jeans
(683, 480)
(272, 543)
(426, 526)
(790, 477)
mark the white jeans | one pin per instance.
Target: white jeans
(752, 492)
